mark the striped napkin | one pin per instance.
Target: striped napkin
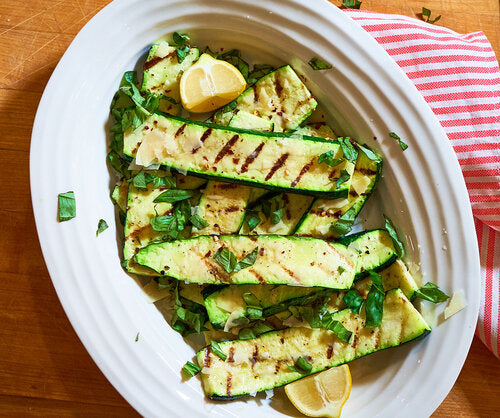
(458, 76)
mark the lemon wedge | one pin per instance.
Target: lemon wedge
(209, 84)
(323, 394)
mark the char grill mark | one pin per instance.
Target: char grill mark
(277, 165)
(258, 276)
(250, 159)
(367, 171)
(152, 62)
(180, 130)
(225, 149)
(304, 170)
(203, 138)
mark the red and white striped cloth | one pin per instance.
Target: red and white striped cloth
(458, 76)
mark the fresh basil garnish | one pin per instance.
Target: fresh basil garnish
(344, 223)
(369, 153)
(189, 317)
(137, 337)
(254, 307)
(337, 327)
(377, 281)
(247, 261)
(66, 206)
(374, 307)
(182, 53)
(164, 182)
(191, 369)
(327, 158)
(350, 152)
(301, 366)
(276, 216)
(398, 245)
(226, 259)
(262, 327)
(101, 226)
(139, 181)
(258, 71)
(340, 269)
(344, 176)
(164, 223)
(353, 300)
(432, 293)
(180, 39)
(402, 144)
(252, 219)
(427, 13)
(182, 213)
(318, 64)
(233, 56)
(173, 195)
(215, 347)
(351, 4)
(198, 222)
(246, 334)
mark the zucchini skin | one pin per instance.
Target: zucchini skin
(405, 325)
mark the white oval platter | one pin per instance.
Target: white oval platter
(367, 96)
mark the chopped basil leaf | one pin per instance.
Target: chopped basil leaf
(164, 223)
(351, 4)
(180, 39)
(301, 366)
(101, 226)
(246, 334)
(328, 159)
(182, 53)
(432, 293)
(318, 64)
(215, 347)
(118, 164)
(137, 337)
(276, 216)
(172, 196)
(163, 283)
(234, 57)
(374, 307)
(198, 221)
(344, 176)
(336, 326)
(403, 145)
(259, 71)
(344, 223)
(66, 206)
(398, 245)
(353, 300)
(164, 182)
(251, 300)
(340, 269)
(168, 99)
(262, 327)
(254, 313)
(369, 153)
(191, 369)
(189, 317)
(266, 207)
(139, 181)
(377, 281)
(348, 149)
(252, 219)
(226, 259)
(182, 212)
(247, 261)
(427, 13)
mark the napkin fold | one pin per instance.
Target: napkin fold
(459, 77)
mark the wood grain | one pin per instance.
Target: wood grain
(44, 369)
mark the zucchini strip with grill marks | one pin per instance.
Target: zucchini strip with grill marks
(263, 363)
(298, 261)
(261, 159)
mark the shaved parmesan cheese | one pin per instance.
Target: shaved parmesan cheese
(456, 304)
(182, 171)
(163, 50)
(322, 229)
(269, 393)
(334, 204)
(360, 182)
(275, 228)
(234, 320)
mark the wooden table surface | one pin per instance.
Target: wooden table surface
(44, 369)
